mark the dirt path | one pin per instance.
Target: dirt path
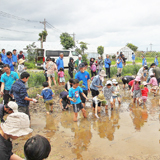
(129, 132)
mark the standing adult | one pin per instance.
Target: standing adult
(20, 55)
(117, 55)
(144, 61)
(156, 61)
(3, 55)
(78, 62)
(7, 79)
(119, 66)
(14, 58)
(19, 91)
(84, 76)
(60, 64)
(8, 60)
(156, 71)
(133, 58)
(107, 64)
(99, 64)
(71, 67)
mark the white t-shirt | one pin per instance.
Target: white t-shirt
(79, 62)
(140, 72)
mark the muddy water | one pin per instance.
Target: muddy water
(126, 132)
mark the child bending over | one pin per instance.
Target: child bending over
(64, 100)
(74, 97)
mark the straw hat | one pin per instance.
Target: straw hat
(21, 61)
(17, 124)
(102, 73)
(101, 97)
(13, 106)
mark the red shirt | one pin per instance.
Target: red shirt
(131, 83)
(145, 92)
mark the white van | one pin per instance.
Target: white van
(42, 54)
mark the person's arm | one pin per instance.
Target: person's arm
(88, 82)
(84, 96)
(15, 157)
(60, 102)
(2, 87)
(28, 99)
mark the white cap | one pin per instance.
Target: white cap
(114, 80)
(13, 106)
(109, 82)
(99, 56)
(79, 56)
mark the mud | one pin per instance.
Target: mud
(128, 131)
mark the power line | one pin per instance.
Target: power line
(4, 14)
(14, 30)
(54, 27)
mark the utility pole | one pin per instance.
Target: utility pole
(44, 23)
(151, 46)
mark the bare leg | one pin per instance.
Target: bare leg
(119, 100)
(106, 107)
(114, 101)
(49, 81)
(84, 113)
(54, 81)
(52, 108)
(75, 117)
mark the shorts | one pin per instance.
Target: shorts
(94, 92)
(24, 110)
(114, 97)
(51, 75)
(94, 104)
(61, 79)
(77, 107)
(48, 103)
(136, 93)
(82, 98)
(64, 104)
(144, 98)
(109, 101)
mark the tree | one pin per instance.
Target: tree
(31, 51)
(100, 50)
(78, 50)
(66, 41)
(83, 46)
(42, 37)
(132, 47)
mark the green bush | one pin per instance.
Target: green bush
(30, 65)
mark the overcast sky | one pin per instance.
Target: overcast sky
(110, 23)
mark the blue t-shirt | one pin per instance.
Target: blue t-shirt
(83, 77)
(14, 58)
(75, 93)
(47, 94)
(9, 80)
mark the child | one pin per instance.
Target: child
(144, 92)
(68, 85)
(107, 91)
(136, 89)
(93, 67)
(116, 91)
(154, 83)
(64, 100)
(47, 95)
(61, 76)
(74, 97)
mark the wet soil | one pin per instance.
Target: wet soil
(128, 132)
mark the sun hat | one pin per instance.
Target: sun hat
(138, 78)
(101, 97)
(114, 81)
(109, 82)
(99, 56)
(152, 74)
(17, 124)
(13, 106)
(82, 65)
(21, 61)
(102, 73)
(144, 83)
(79, 56)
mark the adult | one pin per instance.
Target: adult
(7, 79)
(78, 62)
(156, 71)
(59, 62)
(144, 61)
(126, 80)
(84, 76)
(117, 55)
(150, 71)
(8, 60)
(99, 64)
(14, 58)
(20, 94)
(7, 109)
(20, 55)
(133, 58)
(142, 71)
(96, 84)
(3, 55)
(107, 64)
(71, 67)
(156, 60)
(119, 66)
(51, 68)
(15, 126)
(1, 69)
(37, 148)
(45, 69)
(121, 54)
(124, 59)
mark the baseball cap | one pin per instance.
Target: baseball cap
(82, 65)
(79, 56)
(109, 82)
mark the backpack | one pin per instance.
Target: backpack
(93, 67)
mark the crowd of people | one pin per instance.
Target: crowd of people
(16, 100)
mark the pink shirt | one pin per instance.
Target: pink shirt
(136, 86)
(153, 81)
(61, 74)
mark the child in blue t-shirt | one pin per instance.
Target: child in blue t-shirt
(47, 95)
(74, 97)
